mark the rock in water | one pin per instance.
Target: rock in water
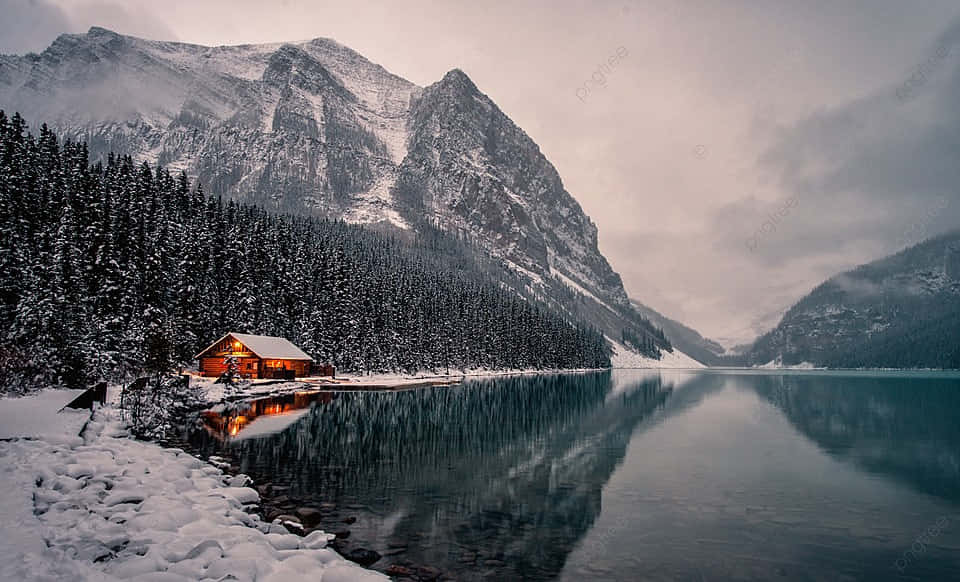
(362, 556)
(309, 516)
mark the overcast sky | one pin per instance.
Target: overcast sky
(836, 119)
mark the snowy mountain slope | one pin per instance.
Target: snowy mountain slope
(626, 358)
(684, 338)
(471, 167)
(901, 311)
(313, 127)
(309, 126)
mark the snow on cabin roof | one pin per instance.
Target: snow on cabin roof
(265, 347)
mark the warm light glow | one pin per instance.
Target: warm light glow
(235, 424)
(230, 424)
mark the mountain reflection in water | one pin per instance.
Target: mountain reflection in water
(501, 475)
(892, 426)
(628, 475)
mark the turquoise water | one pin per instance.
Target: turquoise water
(637, 475)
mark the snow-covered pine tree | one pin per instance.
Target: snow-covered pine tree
(114, 269)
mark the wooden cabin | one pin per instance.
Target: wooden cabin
(258, 356)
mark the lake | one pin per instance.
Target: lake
(626, 474)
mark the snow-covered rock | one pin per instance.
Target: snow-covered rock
(779, 365)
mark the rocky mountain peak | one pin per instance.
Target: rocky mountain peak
(100, 32)
(456, 78)
(291, 65)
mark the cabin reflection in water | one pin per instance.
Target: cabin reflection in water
(226, 423)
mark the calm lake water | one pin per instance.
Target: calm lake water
(631, 475)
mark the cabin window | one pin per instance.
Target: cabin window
(231, 347)
(249, 365)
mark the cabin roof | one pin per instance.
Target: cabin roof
(264, 347)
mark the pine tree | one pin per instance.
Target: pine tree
(114, 270)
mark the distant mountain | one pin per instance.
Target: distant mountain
(314, 128)
(686, 339)
(738, 341)
(902, 311)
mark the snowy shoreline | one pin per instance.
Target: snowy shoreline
(105, 506)
(218, 393)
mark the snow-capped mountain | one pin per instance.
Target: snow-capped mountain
(901, 311)
(309, 126)
(313, 127)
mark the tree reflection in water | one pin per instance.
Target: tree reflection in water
(497, 477)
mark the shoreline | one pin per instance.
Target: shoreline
(221, 393)
(306, 518)
(146, 508)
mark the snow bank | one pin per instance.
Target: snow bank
(624, 357)
(214, 392)
(217, 393)
(107, 507)
(37, 414)
(778, 365)
(427, 377)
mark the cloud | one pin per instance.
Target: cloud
(881, 171)
(136, 19)
(29, 25)
(850, 182)
(857, 287)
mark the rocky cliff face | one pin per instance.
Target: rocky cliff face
(313, 127)
(468, 166)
